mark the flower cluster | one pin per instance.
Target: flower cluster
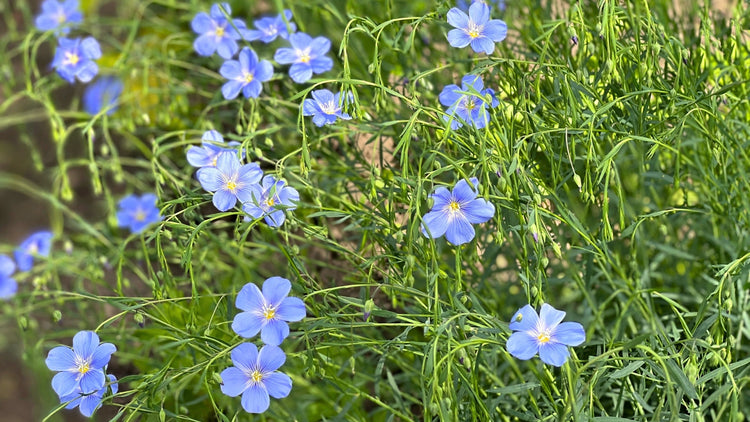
(254, 374)
(38, 244)
(223, 173)
(81, 378)
(218, 34)
(76, 58)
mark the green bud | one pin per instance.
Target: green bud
(56, 315)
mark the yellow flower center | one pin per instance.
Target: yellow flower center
(304, 56)
(84, 368)
(471, 104)
(72, 58)
(329, 108)
(82, 365)
(270, 202)
(269, 313)
(140, 215)
(256, 376)
(454, 206)
(213, 162)
(249, 78)
(33, 249)
(61, 17)
(474, 30)
(231, 186)
(543, 337)
(219, 31)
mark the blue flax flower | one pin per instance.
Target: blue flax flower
(38, 244)
(102, 95)
(271, 27)
(270, 199)
(307, 56)
(217, 34)
(87, 404)
(468, 104)
(245, 74)
(138, 212)
(476, 28)
(207, 154)
(75, 59)
(267, 311)
(543, 334)
(81, 368)
(325, 107)
(255, 376)
(463, 5)
(58, 16)
(229, 180)
(8, 285)
(453, 213)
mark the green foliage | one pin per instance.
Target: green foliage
(618, 165)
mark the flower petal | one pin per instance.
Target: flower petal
(569, 334)
(231, 69)
(249, 298)
(270, 358)
(457, 18)
(202, 23)
(278, 385)
(459, 231)
(522, 346)
(550, 316)
(92, 381)
(300, 72)
(245, 356)
(89, 404)
(84, 343)
(102, 355)
(483, 45)
(274, 332)
(291, 309)
(61, 358)
(554, 354)
(65, 383)
(224, 200)
(275, 289)
(255, 399)
(436, 222)
(233, 381)
(479, 13)
(496, 30)
(285, 56)
(525, 319)
(210, 178)
(231, 89)
(458, 38)
(478, 211)
(248, 324)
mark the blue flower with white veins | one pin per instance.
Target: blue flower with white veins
(543, 334)
(255, 376)
(75, 59)
(476, 28)
(453, 213)
(307, 56)
(245, 75)
(269, 28)
(468, 104)
(217, 33)
(207, 154)
(59, 16)
(230, 180)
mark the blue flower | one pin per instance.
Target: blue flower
(8, 285)
(58, 16)
(87, 404)
(267, 311)
(543, 334)
(138, 212)
(467, 104)
(245, 74)
(270, 200)
(102, 95)
(463, 5)
(75, 59)
(271, 27)
(207, 154)
(325, 107)
(82, 368)
(38, 244)
(476, 29)
(230, 180)
(453, 213)
(307, 56)
(217, 34)
(255, 376)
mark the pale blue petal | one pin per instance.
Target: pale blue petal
(234, 382)
(550, 316)
(250, 298)
(212, 136)
(522, 345)
(310, 107)
(61, 358)
(90, 48)
(89, 404)
(449, 95)
(87, 71)
(479, 13)
(528, 319)
(441, 198)
(458, 38)
(197, 157)
(323, 96)
(278, 385)
(459, 231)
(457, 18)
(210, 178)
(270, 358)
(248, 324)
(253, 89)
(478, 211)
(274, 332)
(569, 334)
(202, 23)
(224, 200)
(285, 56)
(84, 343)
(291, 309)
(8, 287)
(204, 45)
(436, 222)
(102, 355)
(321, 64)
(7, 266)
(231, 89)
(245, 356)
(464, 192)
(255, 399)
(554, 354)
(263, 71)
(65, 383)
(92, 381)
(483, 45)
(275, 289)
(231, 69)
(275, 218)
(496, 30)
(300, 72)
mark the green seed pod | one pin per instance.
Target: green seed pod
(56, 315)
